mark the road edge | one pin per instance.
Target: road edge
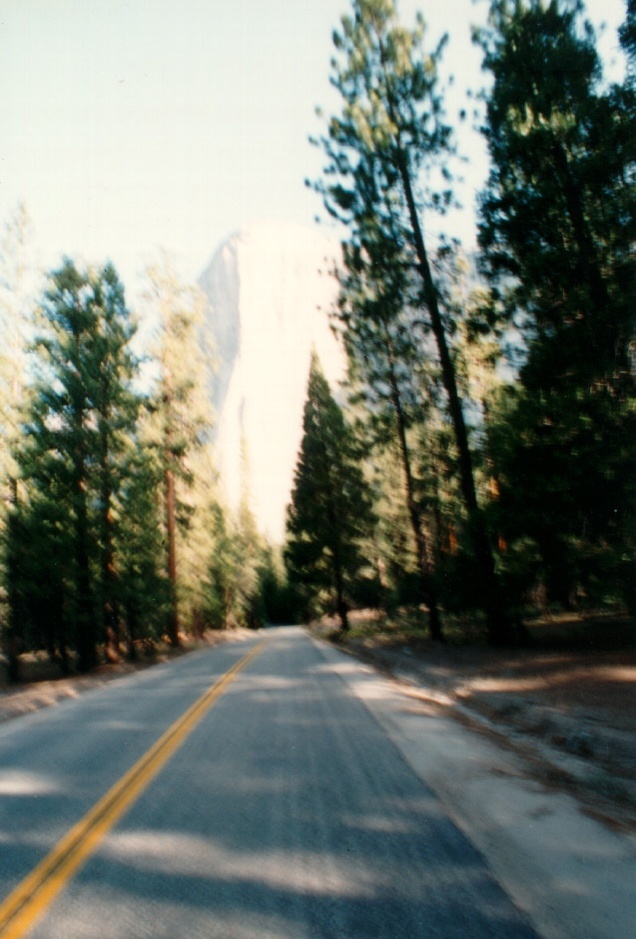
(568, 873)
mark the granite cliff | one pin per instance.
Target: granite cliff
(269, 288)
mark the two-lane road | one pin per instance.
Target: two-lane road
(280, 808)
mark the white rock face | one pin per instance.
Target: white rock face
(270, 290)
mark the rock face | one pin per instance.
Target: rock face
(269, 289)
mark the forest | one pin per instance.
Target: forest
(478, 465)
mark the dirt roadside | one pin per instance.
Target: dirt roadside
(43, 686)
(566, 705)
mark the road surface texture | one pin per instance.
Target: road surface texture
(285, 810)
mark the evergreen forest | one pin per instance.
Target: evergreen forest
(478, 466)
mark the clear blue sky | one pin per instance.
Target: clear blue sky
(132, 124)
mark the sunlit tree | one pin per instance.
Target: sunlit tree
(387, 354)
(388, 141)
(17, 288)
(183, 416)
(81, 409)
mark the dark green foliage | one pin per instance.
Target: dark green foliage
(280, 600)
(386, 344)
(178, 431)
(557, 230)
(61, 447)
(240, 568)
(39, 571)
(628, 35)
(115, 409)
(388, 165)
(66, 529)
(144, 590)
(558, 213)
(330, 510)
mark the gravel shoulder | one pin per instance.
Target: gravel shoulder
(569, 712)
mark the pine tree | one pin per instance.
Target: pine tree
(386, 351)
(627, 35)
(556, 231)
(116, 407)
(16, 292)
(39, 570)
(62, 435)
(557, 215)
(235, 566)
(196, 539)
(183, 415)
(390, 133)
(82, 408)
(144, 590)
(330, 508)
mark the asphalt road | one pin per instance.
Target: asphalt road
(286, 812)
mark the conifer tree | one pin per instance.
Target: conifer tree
(390, 133)
(144, 590)
(557, 231)
(248, 550)
(627, 35)
(82, 407)
(16, 294)
(330, 509)
(235, 563)
(39, 570)
(62, 435)
(386, 352)
(116, 407)
(183, 416)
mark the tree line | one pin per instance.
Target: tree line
(479, 461)
(114, 535)
(490, 421)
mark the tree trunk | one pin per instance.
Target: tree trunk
(498, 626)
(173, 625)
(12, 647)
(132, 611)
(429, 593)
(110, 606)
(341, 603)
(86, 639)
(336, 568)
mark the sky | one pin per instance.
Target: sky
(130, 125)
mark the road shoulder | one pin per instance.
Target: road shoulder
(572, 875)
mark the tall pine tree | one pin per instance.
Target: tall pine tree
(183, 415)
(116, 407)
(82, 406)
(557, 231)
(330, 509)
(390, 135)
(387, 351)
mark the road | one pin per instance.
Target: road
(285, 810)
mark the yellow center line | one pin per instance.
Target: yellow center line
(29, 900)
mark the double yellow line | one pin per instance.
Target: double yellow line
(26, 904)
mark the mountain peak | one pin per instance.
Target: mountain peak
(270, 287)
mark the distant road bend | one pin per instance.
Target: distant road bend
(242, 791)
